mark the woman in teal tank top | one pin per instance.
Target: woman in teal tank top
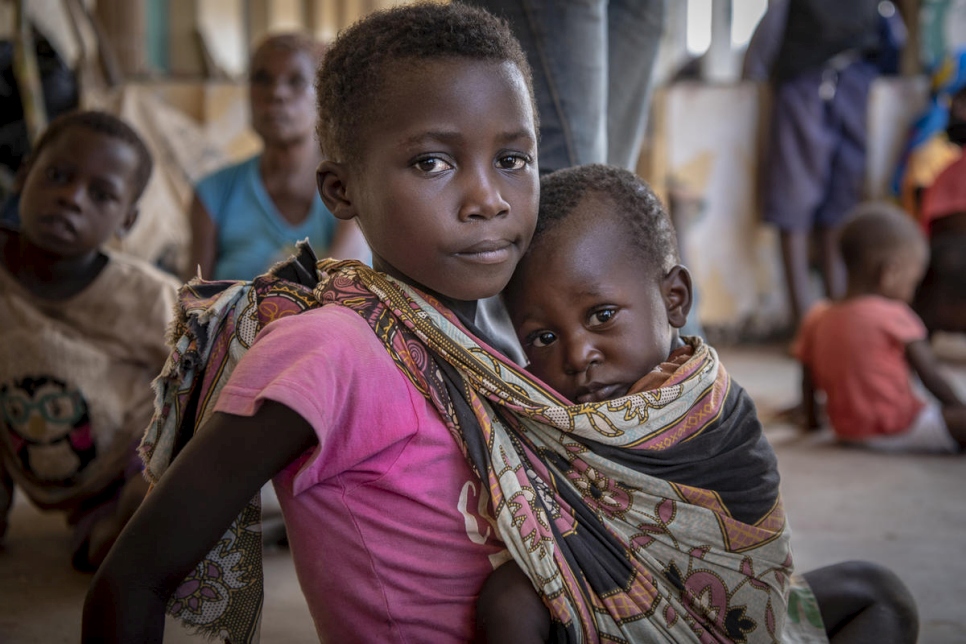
(247, 216)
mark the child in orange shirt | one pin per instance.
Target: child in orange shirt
(863, 350)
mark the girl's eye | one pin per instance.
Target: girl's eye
(513, 162)
(432, 165)
(298, 82)
(542, 339)
(602, 317)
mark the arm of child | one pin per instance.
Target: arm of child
(206, 487)
(923, 362)
(809, 400)
(510, 610)
(204, 241)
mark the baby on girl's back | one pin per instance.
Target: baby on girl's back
(597, 302)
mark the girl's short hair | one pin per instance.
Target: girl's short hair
(643, 214)
(353, 69)
(102, 123)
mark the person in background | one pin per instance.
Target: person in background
(248, 216)
(821, 57)
(592, 64)
(935, 141)
(83, 332)
(941, 298)
(862, 351)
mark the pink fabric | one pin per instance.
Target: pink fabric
(856, 353)
(386, 521)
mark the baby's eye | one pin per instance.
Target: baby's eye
(513, 161)
(101, 196)
(601, 317)
(541, 339)
(432, 165)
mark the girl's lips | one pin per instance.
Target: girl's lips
(487, 252)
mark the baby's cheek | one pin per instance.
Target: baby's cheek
(548, 373)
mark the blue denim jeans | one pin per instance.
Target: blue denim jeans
(592, 62)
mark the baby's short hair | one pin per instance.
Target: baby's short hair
(874, 232)
(647, 221)
(354, 67)
(102, 123)
(291, 41)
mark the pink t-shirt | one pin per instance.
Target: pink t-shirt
(856, 353)
(391, 533)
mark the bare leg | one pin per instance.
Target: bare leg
(864, 603)
(833, 268)
(955, 418)
(794, 244)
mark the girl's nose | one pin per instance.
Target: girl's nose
(579, 354)
(482, 198)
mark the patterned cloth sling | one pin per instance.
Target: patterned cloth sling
(215, 324)
(617, 554)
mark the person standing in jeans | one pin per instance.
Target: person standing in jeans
(592, 64)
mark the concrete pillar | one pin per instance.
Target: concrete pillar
(125, 27)
(718, 65)
(322, 19)
(184, 48)
(258, 15)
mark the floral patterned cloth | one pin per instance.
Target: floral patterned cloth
(617, 553)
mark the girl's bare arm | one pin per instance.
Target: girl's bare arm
(206, 487)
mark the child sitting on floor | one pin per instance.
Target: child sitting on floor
(83, 332)
(863, 351)
(597, 302)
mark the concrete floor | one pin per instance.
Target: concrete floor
(907, 512)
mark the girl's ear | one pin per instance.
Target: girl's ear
(332, 179)
(128, 222)
(676, 289)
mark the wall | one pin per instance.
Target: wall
(709, 138)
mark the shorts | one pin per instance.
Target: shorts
(816, 158)
(927, 434)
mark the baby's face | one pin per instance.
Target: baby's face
(589, 311)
